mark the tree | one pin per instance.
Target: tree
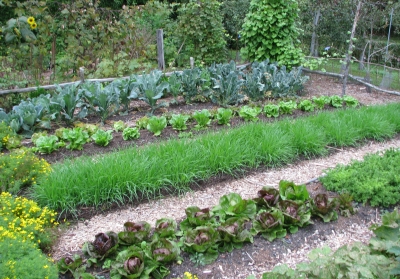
(270, 32)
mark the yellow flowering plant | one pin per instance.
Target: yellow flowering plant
(20, 168)
(21, 218)
(19, 29)
(8, 138)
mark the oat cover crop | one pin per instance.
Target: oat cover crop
(146, 172)
(376, 179)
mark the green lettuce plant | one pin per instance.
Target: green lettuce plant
(269, 224)
(306, 105)
(350, 101)
(203, 118)
(119, 126)
(324, 207)
(105, 244)
(249, 113)
(290, 191)
(130, 133)
(321, 101)
(233, 234)
(134, 233)
(76, 137)
(336, 101)
(287, 107)
(47, 144)
(271, 110)
(232, 205)
(142, 122)
(178, 121)
(157, 124)
(223, 116)
(102, 137)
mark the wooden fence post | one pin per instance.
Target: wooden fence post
(160, 50)
(191, 62)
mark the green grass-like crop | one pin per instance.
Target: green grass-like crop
(150, 171)
(376, 179)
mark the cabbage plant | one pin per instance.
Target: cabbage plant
(104, 244)
(324, 207)
(269, 224)
(134, 233)
(233, 234)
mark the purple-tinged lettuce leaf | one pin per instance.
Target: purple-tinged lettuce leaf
(324, 207)
(232, 205)
(165, 227)
(267, 197)
(104, 244)
(196, 217)
(290, 191)
(270, 224)
(134, 233)
(295, 213)
(233, 234)
(165, 250)
(69, 264)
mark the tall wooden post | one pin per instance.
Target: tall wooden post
(160, 49)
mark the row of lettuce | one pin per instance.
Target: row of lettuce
(140, 250)
(84, 133)
(224, 84)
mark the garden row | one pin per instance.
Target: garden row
(140, 251)
(174, 165)
(224, 84)
(84, 133)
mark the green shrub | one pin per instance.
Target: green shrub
(20, 168)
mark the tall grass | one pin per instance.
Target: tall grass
(150, 171)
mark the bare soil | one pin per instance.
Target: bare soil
(254, 258)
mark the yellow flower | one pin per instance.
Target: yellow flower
(33, 25)
(31, 20)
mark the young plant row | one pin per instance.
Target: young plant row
(224, 84)
(379, 259)
(135, 253)
(83, 133)
(137, 173)
(375, 180)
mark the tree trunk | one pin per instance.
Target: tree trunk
(314, 38)
(350, 50)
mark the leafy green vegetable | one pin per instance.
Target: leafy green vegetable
(69, 264)
(253, 86)
(165, 227)
(324, 207)
(321, 101)
(77, 137)
(232, 205)
(134, 233)
(233, 234)
(197, 217)
(224, 116)
(296, 214)
(270, 224)
(249, 113)
(350, 101)
(142, 122)
(164, 250)
(290, 191)
(178, 122)
(157, 124)
(102, 137)
(104, 244)
(202, 240)
(287, 107)
(336, 101)
(68, 99)
(306, 105)
(267, 197)
(271, 110)
(175, 86)
(119, 126)
(202, 118)
(47, 144)
(130, 133)
(149, 88)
